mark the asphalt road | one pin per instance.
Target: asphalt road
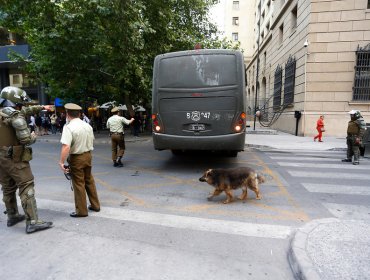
(156, 222)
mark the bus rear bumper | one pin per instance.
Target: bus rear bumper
(229, 142)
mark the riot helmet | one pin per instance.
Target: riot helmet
(16, 95)
(355, 114)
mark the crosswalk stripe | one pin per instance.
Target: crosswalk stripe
(338, 175)
(348, 211)
(339, 154)
(304, 158)
(322, 165)
(337, 189)
(176, 221)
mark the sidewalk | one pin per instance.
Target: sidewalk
(267, 138)
(323, 248)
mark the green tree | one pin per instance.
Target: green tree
(105, 48)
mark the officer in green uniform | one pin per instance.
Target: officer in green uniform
(355, 133)
(15, 170)
(115, 124)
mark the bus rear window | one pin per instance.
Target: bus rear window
(197, 71)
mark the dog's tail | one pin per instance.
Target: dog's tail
(260, 179)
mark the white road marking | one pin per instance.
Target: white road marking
(328, 175)
(176, 221)
(306, 158)
(337, 189)
(323, 165)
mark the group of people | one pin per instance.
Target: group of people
(16, 153)
(42, 123)
(75, 158)
(355, 132)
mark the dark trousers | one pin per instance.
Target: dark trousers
(83, 182)
(353, 149)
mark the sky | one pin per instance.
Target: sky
(217, 15)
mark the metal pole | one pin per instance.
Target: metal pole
(258, 65)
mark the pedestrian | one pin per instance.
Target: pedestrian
(355, 133)
(32, 123)
(320, 128)
(15, 169)
(53, 122)
(85, 118)
(77, 144)
(45, 123)
(38, 121)
(137, 124)
(62, 122)
(115, 124)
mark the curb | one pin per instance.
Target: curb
(300, 263)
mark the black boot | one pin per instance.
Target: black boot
(119, 162)
(115, 163)
(37, 226)
(347, 160)
(15, 220)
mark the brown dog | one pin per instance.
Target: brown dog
(230, 179)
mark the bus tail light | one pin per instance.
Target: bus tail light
(157, 124)
(240, 122)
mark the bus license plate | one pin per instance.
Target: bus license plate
(197, 127)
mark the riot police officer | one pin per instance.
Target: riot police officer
(15, 170)
(355, 133)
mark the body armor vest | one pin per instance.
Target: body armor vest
(353, 128)
(8, 136)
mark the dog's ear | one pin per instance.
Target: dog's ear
(209, 172)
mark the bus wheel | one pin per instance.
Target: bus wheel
(232, 153)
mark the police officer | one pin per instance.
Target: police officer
(355, 133)
(77, 144)
(15, 170)
(115, 124)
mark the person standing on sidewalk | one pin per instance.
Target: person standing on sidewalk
(53, 122)
(115, 124)
(77, 144)
(355, 133)
(15, 169)
(320, 128)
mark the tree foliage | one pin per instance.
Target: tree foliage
(105, 48)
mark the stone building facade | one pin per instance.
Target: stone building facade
(313, 58)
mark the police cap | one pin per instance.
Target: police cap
(115, 109)
(72, 107)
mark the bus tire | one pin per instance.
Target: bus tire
(232, 153)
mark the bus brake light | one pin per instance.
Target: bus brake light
(240, 122)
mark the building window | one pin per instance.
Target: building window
(289, 81)
(361, 89)
(235, 20)
(4, 37)
(235, 5)
(277, 88)
(294, 18)
(281, 34)
(235, 37)
(368, 4)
